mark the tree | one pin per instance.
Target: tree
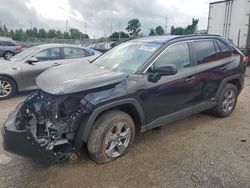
(190, 29)
(152, 32)
(20, 35)
(42, 33)
(76, 34)
(51, 34)
(120, 34)
(66, 35)
(59, 34)
(177, 31)
(24, 35)
(159, 30)
(134, 27)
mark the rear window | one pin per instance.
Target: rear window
(204, 51)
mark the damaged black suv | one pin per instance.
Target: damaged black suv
(138, 85)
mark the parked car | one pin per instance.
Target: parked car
(8, 48)
(20, 72)
(136, 86)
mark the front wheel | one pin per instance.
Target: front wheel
(227, 101)
(7, 88)
(111, 137)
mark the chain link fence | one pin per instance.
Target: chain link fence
(102, 44)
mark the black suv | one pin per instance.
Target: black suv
(138, 85)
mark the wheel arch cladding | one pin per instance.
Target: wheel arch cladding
(130, 106)
(235, 80)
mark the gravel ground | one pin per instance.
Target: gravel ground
(199, 151)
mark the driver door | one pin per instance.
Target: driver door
(46, 59)
(171, 95)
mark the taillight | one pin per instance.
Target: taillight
(18, 47)
(245, 60)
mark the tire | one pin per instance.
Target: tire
(7, 55)
(103, 144)
(8, 88)
(226, 102)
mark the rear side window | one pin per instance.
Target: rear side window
(71, 53)
(224, 51)
(204, 51)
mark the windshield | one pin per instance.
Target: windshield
(22, 55)
(127, 57)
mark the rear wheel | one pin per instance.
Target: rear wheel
(7, 88)
(227, 101)
(111, 137)
(7, 55)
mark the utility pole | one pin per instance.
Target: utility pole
(67, 25)
(119, 30)
(166, 26)
(111, 29)
(85, 27)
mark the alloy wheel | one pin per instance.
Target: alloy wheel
(117, 140)
(5, 88)
(228, 101)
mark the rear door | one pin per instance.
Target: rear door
(211, 66)
(46, 59)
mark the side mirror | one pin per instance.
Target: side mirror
(162, 70)
(32, 60)
(165, 70)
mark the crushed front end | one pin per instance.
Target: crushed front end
(43, 126)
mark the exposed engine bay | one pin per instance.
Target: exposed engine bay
(53, 120)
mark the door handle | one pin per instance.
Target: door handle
(56, 64)
(224, 67)
(189, 79)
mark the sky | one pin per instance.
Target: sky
(101, 17)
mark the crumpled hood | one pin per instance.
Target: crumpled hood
(76, 77)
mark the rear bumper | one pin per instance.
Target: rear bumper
(23, 143)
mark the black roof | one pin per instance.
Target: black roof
(165, 38)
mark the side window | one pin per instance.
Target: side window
(71, 53)
(178, 54)
(48, 54)
(204, 51)
(224, 50)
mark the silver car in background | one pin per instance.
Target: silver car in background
(8, 48)
(20, 72)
